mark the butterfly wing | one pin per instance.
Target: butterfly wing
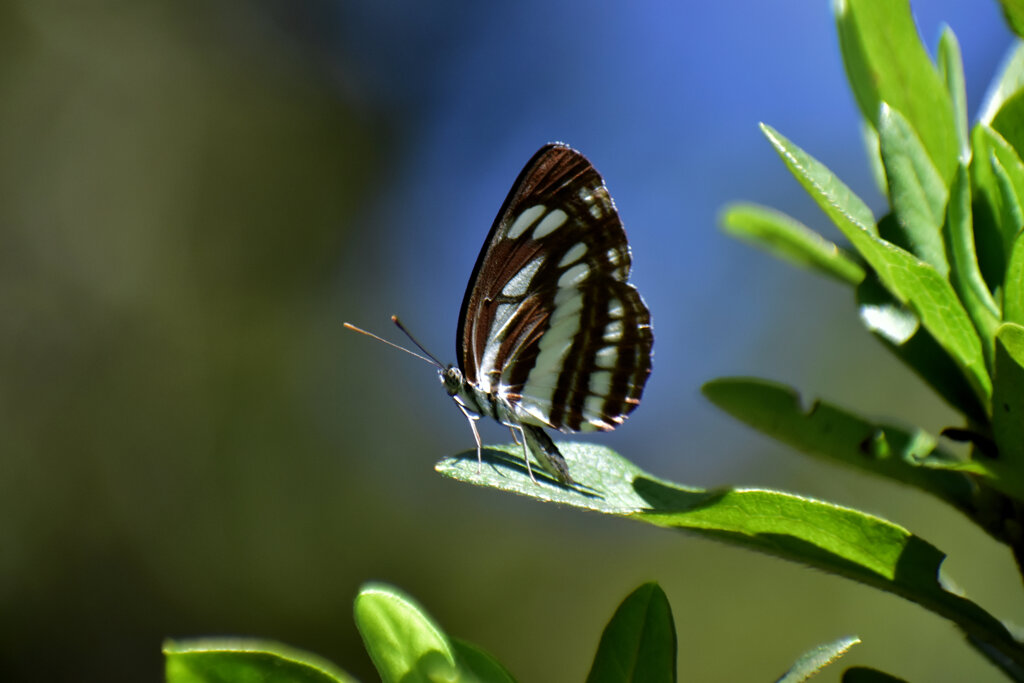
(549, 321)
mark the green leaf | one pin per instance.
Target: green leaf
(605, 478)
(1012, 669)
(825, 536)
(826, 431)
(885, 61)
(1013, 293)
(912, 281)
(639, 643)
(951, 68)
(223, 660)
(871, 145)
(1013, 10)
(997, 183)
(1010, 160)
(405, 644)
(813, 661)
(1009, 121)
(1012, 215)
(966, 274)
(1009, 82)
(1008, 400)
(916, 190)
(839, 203)
(863, 674)
(790, 240)
(480, 664)
(900, 331)
(882, 315)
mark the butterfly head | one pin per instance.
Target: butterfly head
(451, 378)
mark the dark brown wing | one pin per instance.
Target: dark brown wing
(548, 319)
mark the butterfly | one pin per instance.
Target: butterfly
(550, 334)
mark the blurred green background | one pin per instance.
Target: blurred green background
(195, 195)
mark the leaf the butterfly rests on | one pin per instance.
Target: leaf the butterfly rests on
(550, 332)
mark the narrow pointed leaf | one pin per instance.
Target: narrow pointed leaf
(916, 190)
(816, 659)
(1009, 121)
(871, 145)
(966, 274)
(997, 186)
(846, 209)
(912, 281)
(223, 660)
(1009, 82)
(1013, 293)
(1004, 470)
(1007, 173)
(885, 61)
(951, 67)
(639, 643)
(1009, 159)
(1013, 10)
(899, 329)
(1008, 397)
(884, 316)
(826, 431)
(825, 536)
(790, 240)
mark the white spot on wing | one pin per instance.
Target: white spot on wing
(554, 348)
(551, 222)
(574, 276)
(502, 317)
(568, 303)
(600, 384)
(613, 332)
(520, 282)
(573, 255)
(597, 201)
(615, 309)
(606, 357)
(592, 408)
(524, 220)
(533, 412)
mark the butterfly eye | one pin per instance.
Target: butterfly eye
(451, 378)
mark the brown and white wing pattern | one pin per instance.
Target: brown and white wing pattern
(549, 324)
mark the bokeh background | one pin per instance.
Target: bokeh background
(195, 195)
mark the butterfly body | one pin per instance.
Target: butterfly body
(474, 402)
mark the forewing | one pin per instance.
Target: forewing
(549, 320)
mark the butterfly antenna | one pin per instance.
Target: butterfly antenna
(419, 346)
(431, 359)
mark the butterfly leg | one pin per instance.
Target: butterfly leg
(476, 435)
(526, 455)
(515, 437)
